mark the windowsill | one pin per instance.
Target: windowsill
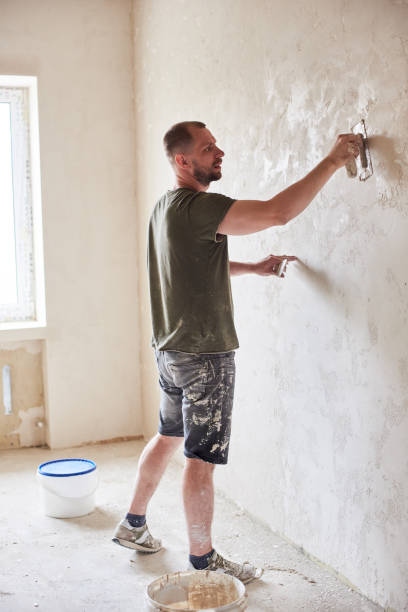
(22, 331)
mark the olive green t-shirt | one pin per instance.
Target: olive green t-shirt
(189, 276)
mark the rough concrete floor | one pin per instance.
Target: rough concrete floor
(71, 565)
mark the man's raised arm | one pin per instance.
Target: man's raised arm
(250, 216)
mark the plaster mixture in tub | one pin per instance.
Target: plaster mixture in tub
(195, 590)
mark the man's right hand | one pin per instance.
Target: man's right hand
(347, 146)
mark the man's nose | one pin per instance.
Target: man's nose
(220, 153)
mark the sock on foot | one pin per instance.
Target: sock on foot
(136, 520)
(201, 562)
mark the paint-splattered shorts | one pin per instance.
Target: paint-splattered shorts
(196, 397)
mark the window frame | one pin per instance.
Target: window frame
(30, 84)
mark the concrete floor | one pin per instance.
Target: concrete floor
(71, 565)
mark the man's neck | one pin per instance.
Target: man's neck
(189, 183)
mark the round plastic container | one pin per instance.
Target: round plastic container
(191, 591)
(68, 487)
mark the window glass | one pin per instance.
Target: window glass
(17, 272)
(8, 272)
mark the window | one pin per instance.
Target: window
(22, 301)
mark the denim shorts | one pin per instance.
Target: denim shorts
(196, 397)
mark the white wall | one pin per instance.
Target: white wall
(320, 426)
(82, 54)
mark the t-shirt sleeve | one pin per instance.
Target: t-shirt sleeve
(206, 211)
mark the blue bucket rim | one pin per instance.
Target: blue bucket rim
(44, 473)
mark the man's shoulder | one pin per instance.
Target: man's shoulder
(189, 203)
(185, 193)
(174, 195)
(212, 195)
(176, 200)
(171, 204)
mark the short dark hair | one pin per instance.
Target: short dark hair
(178, 138)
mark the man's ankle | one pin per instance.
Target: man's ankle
(136, 520)
(201, 561)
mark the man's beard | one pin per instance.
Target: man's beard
(204, 177)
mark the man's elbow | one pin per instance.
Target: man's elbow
(277, 214)
(282, 219)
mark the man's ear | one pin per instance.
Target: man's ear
(180, 160)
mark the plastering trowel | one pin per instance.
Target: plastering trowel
(362, 164)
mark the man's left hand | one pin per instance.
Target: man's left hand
(271, 264)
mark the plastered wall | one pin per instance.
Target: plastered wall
(22, 422)
(82, 54)
(320, 426)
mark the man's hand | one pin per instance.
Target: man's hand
(271, 264)
(266, 267)
(347, 147)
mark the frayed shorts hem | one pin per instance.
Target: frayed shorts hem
(215, 461)
(170, 435)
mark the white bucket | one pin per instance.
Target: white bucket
(68, 487)
(204, 591)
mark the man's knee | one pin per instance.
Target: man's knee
(169, 440)
(199, 465)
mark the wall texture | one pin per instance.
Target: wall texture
(24, 425)
(82, 54)
(320, 427)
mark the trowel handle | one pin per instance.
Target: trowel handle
(362, 149)
(351, 168)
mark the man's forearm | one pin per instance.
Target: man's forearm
(250, 216)
(239, 267)
(290, 202)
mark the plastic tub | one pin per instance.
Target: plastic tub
(68, 487)
(193, 590)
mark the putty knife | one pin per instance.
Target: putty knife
(282, 267)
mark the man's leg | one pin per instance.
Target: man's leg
(198, 495)
(132, 532)
(152, 465)
(208, 387)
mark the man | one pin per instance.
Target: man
(193, 329)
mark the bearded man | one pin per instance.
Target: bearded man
(193, 328)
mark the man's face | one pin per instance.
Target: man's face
(205, 156)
